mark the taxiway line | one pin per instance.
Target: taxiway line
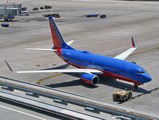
(140, 95)
(74, 98)
(83, 31)
(145, 51)
(24, 43)
(113, 26)
(48, 78)
(22, 112)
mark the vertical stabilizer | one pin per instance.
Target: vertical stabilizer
(56, 36)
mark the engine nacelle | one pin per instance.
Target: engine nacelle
(90, 79)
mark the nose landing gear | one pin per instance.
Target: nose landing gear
(136, 85)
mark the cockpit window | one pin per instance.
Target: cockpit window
(140, 72)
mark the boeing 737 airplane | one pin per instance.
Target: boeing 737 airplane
(92, 65)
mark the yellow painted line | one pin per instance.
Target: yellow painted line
(139, 95)
(24, 43)
(80, 33)
(145, 51)
(83, 32)
(76, 99)
(112, 26)
(48, 78)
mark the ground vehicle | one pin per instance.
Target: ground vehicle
(92, 15)
(47, 7)
(5, 25)
(25, 13)
(35, 8)
(102, 16)
(53, 15)
(24, 8)
(122, 95)
(41, 7)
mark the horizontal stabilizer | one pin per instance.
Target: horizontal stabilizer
(70, 42)
(41, 49)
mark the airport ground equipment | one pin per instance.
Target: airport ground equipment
(91, 104)
(122, 95)
(24, 8)
(47, 7)
(5, 25)
(10, 9)
(35, 8)
(92, 15)
(25, 13)
(41, 7)
(102, 16)
(53, 15)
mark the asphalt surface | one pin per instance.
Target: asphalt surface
(109, 36)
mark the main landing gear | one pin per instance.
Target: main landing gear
(135, 87)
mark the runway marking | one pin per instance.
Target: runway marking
(22, 112)
(24, 43)
(48, 78)
(140, 95)
(145, 51)
(112, 26)
(83, 32)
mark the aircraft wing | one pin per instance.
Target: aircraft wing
(58, 70)
(125, 54)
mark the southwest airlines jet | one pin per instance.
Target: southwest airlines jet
(92, 65)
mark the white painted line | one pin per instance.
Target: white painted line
(22, 112)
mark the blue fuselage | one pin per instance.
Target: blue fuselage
(112, 67)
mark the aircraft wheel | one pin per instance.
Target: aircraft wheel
(130, 95)
(135, 86)
(124, 98)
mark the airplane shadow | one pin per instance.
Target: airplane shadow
(109, 81)
(76, 82)
(58, 67)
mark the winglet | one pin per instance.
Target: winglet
(133, 43)
(8, 66)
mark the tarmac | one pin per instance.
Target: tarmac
(109, 36)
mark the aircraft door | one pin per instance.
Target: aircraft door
(127, 74)
(93, 63)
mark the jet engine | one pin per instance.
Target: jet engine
(90, 79)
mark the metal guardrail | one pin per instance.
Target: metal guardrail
(47, 107)
(77, 99)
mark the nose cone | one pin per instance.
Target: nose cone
(147, 78)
